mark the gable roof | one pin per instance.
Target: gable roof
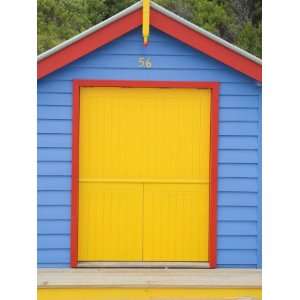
(160, 18)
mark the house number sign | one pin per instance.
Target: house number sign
(145, 62)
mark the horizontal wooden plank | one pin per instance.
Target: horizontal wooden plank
(239, 89)
(54, 168)
(53, 242)
(237, 242)
(237, 228)
(238, 142)
(238, 170)
(54, 183)
(166, 47)
(53, 256)
(239, 114)
(53, 227)
(54, 212)
(54, 99)
(238, 185)
(100, 60)
(55, 112)
(54, 154)
(54, 126)
(54, 140)
(238, 128)
(54, 86)
(223, 76)
(145, 278)
(239, 101)
(237, 213)
(237, 199)
(238, 156)
(237, 256)
(54, 198)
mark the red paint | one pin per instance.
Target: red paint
(213, 192)
(206, 45)
(75, 174)
(214, 86)
(161, 22)
(88, 44)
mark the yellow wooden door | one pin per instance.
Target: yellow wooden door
(144, 174)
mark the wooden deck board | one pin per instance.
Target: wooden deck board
(149, 278)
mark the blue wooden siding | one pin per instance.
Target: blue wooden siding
(239, 192)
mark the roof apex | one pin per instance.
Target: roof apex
(252, 68)
(159, 8)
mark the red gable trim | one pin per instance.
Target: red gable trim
(88, 44)
(163, 23)
(206, 45)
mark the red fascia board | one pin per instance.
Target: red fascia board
(206, 45)
(163, 23)
(89, 43)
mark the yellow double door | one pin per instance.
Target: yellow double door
(144, 175)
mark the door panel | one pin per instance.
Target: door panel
(176, 222)
(144, 134)
(110, 222)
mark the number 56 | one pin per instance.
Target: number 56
(145, 63)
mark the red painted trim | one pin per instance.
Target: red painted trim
(75, 174)
(161, 22)
(206, 45)
(214, 137)
(214, 86)
(88, 44)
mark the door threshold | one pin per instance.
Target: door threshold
(153, 265)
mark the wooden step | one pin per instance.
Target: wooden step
(149, 278)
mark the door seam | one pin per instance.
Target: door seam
(143, 221)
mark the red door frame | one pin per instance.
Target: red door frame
(213, 86)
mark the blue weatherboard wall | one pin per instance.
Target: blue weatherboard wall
(239, 192)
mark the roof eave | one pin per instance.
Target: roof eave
(160, 9)
(89, 31)
(206, 33)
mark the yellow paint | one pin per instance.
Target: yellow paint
(144, 174)
(147, 294)
(176, 222)
(104, 218)
(146, 20)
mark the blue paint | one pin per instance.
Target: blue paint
(45, 242)
(238, 156)
(54, 228)
(54, 198)
(237, 199)
(239, 191)
(237, 242)
(54, 154)
(238, 170)
(55, 126)
(259, 204)
(54, 168)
